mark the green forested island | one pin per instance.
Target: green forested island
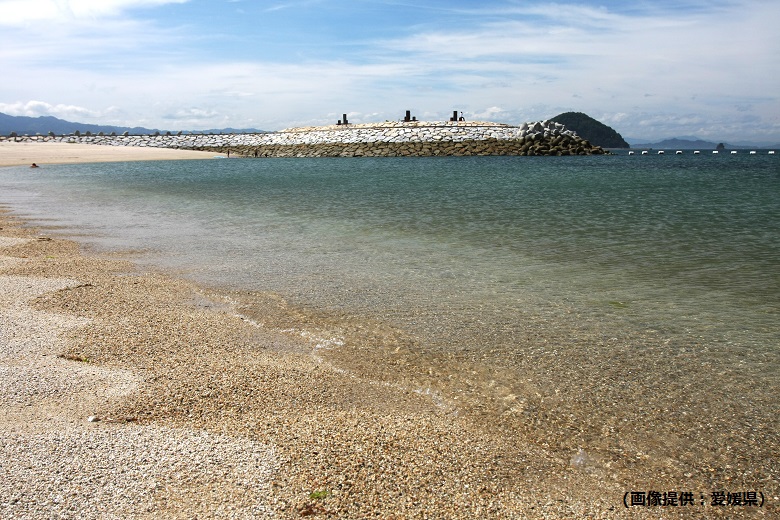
(594, 131)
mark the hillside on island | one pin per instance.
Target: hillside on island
(594, 131)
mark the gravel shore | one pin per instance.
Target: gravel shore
(130, 394)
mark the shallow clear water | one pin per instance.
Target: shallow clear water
(604, 278)
(681, 238)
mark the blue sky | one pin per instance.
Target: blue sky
(649, 69)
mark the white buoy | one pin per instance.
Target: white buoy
(696, 152)
(631, 153)
(714, 151)
(733, 152)
(660, 152)
(771, 152)
(644, 152)
(752, 152)
(678, 152)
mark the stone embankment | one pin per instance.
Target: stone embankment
(390, 139)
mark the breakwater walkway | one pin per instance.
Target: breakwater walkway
(389, 139)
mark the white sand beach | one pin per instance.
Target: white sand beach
(19, 154)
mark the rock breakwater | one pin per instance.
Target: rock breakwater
(389, 139)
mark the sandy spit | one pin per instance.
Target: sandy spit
(19, 154)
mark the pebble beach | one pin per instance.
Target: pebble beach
(128, 393)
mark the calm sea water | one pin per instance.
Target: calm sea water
(687, 239)
(619, 277)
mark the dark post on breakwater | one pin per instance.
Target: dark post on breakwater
(343, 120)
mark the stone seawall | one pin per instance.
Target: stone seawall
(390, 139)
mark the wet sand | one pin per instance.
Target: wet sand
(244, 419)
(20, 154)
(147, 357)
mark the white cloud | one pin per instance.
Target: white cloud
(192, 114)
(642, 68)
(24, 12)
(41, 108)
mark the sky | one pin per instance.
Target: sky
(649, 69)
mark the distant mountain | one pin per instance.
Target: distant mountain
(688, 144)
(683, 144)
(694, 143)
(594, 131)
(43, 125)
